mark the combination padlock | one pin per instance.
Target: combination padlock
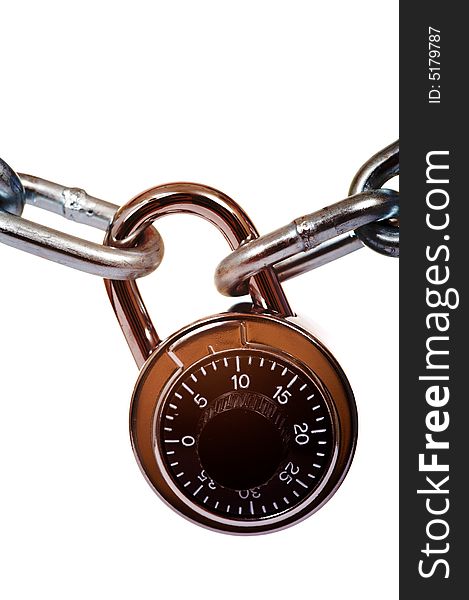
(243, 422)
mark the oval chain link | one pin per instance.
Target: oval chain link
(367, 217)
(381, 236)
(75, 205)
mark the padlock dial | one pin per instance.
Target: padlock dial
(243, 423)
(245, 434)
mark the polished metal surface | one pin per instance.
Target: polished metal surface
(377, 170)
(73, 204)
(11, 190)
(270, 327)
(323, 236)
(132, 219)
(318, 256)
(76, 205)
(324, 230)
(80, 254)
(284, 338)
(305, 244)
(382, 236)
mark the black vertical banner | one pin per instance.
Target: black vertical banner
(434, 225)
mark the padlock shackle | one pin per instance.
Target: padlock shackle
(131, 220)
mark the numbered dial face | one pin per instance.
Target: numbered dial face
(246, 435)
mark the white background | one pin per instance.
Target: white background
(275, 103)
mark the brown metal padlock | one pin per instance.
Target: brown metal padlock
(242, 422)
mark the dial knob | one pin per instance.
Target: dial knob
(246, 434)
(242, 439)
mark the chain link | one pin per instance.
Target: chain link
(11, 190)
(367, 217)
(75, 205)
(381, 236)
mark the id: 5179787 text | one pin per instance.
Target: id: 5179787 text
(434, 68)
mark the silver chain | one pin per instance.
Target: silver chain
(75, 205)
(367, 217)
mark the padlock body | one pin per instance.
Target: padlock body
(243, 423)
